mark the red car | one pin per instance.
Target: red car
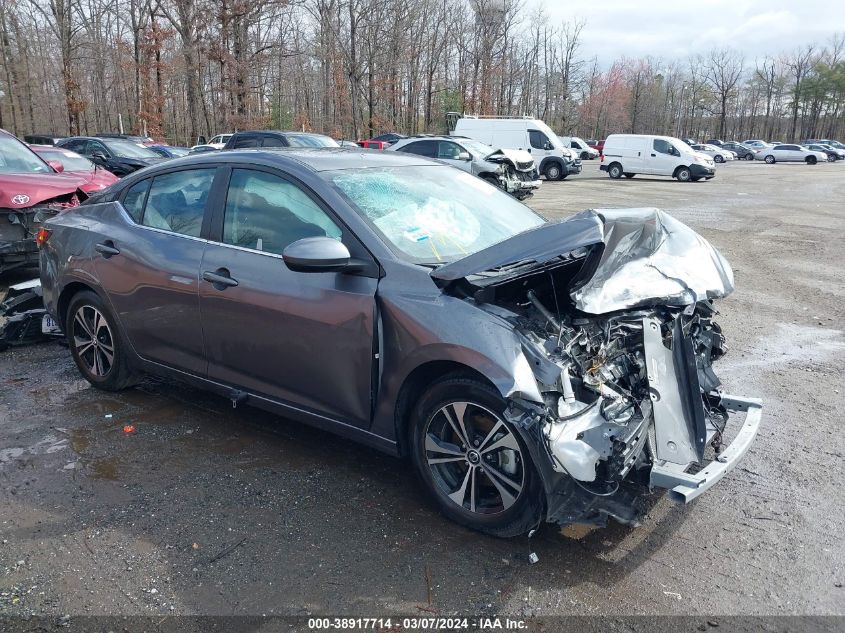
(599, 145)
(96, 177)
(31, 190)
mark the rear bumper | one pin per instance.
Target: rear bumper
(685, 487)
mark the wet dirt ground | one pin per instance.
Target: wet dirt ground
(208, 510)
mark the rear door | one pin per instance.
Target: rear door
(148, 264)
(302, 339)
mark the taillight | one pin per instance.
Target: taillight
(42, 236)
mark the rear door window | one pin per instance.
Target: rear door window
(245, 142)
(273, 141)
(176, 201)
(421, 148)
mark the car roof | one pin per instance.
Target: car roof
(315, 159)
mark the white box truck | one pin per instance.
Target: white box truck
(631, 154)
(554, 160)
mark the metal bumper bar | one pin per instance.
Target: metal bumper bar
(684, 486)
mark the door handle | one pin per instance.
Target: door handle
(653, 155)
(220, 278)
(107, 249)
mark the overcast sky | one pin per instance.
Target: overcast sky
(674, 29)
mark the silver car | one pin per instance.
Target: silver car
(790, 153)
(528, 370)
(718, 154)
(511, 170)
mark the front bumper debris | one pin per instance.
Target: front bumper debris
(684, 486)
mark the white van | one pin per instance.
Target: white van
(580, 146)
(553, 159)
(631, 154)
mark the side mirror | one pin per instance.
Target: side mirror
(317, 255)
(464, 156)
(99, 155)
(57, 166)
(548, 145)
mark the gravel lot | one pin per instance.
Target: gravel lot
(209, 510)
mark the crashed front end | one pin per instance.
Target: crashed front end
(620, 334)
(19, 226)
(516, 172)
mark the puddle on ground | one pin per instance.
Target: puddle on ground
(105, 469)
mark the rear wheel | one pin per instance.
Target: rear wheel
(749, 157)
(553, 171)
(770, 160)
(615, 171)
(683, 174)
(96, 344)
(629, 175)
(585, 156)
(473, 462)
(811, 160)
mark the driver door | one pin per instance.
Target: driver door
(305, 340)
(663, 158)
(450, 152)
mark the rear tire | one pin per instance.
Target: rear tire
(98, 347)
(553, 171)
(812, 160)
(615, 171)
(749, 157)
(683, 174)
(453, 427)
(629, 175)
(585, 156)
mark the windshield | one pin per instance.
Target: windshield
(71, 160)
(17, 158)
(128, 149)
(433, 215)
(310, 140)
(478, 148)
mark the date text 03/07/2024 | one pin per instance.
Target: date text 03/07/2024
(418, 624)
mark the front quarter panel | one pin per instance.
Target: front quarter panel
(423, 325)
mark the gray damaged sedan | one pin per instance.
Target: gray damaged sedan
(529, 370)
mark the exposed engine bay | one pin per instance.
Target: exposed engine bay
(614, 313)
(517, 173)
(601, 383)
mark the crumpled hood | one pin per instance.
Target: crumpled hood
(647, 257)
(521, 160)
(20, 191)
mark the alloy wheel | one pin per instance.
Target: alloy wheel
(93, 341)
(474, 458)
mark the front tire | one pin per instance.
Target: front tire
(770, 160)
(96, 344)
(472, 461)
(615, 171)
(629, 175)
(553, 172)
(812, 160)
(719, 158)
(683, 174)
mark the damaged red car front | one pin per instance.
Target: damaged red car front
(31, 190)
